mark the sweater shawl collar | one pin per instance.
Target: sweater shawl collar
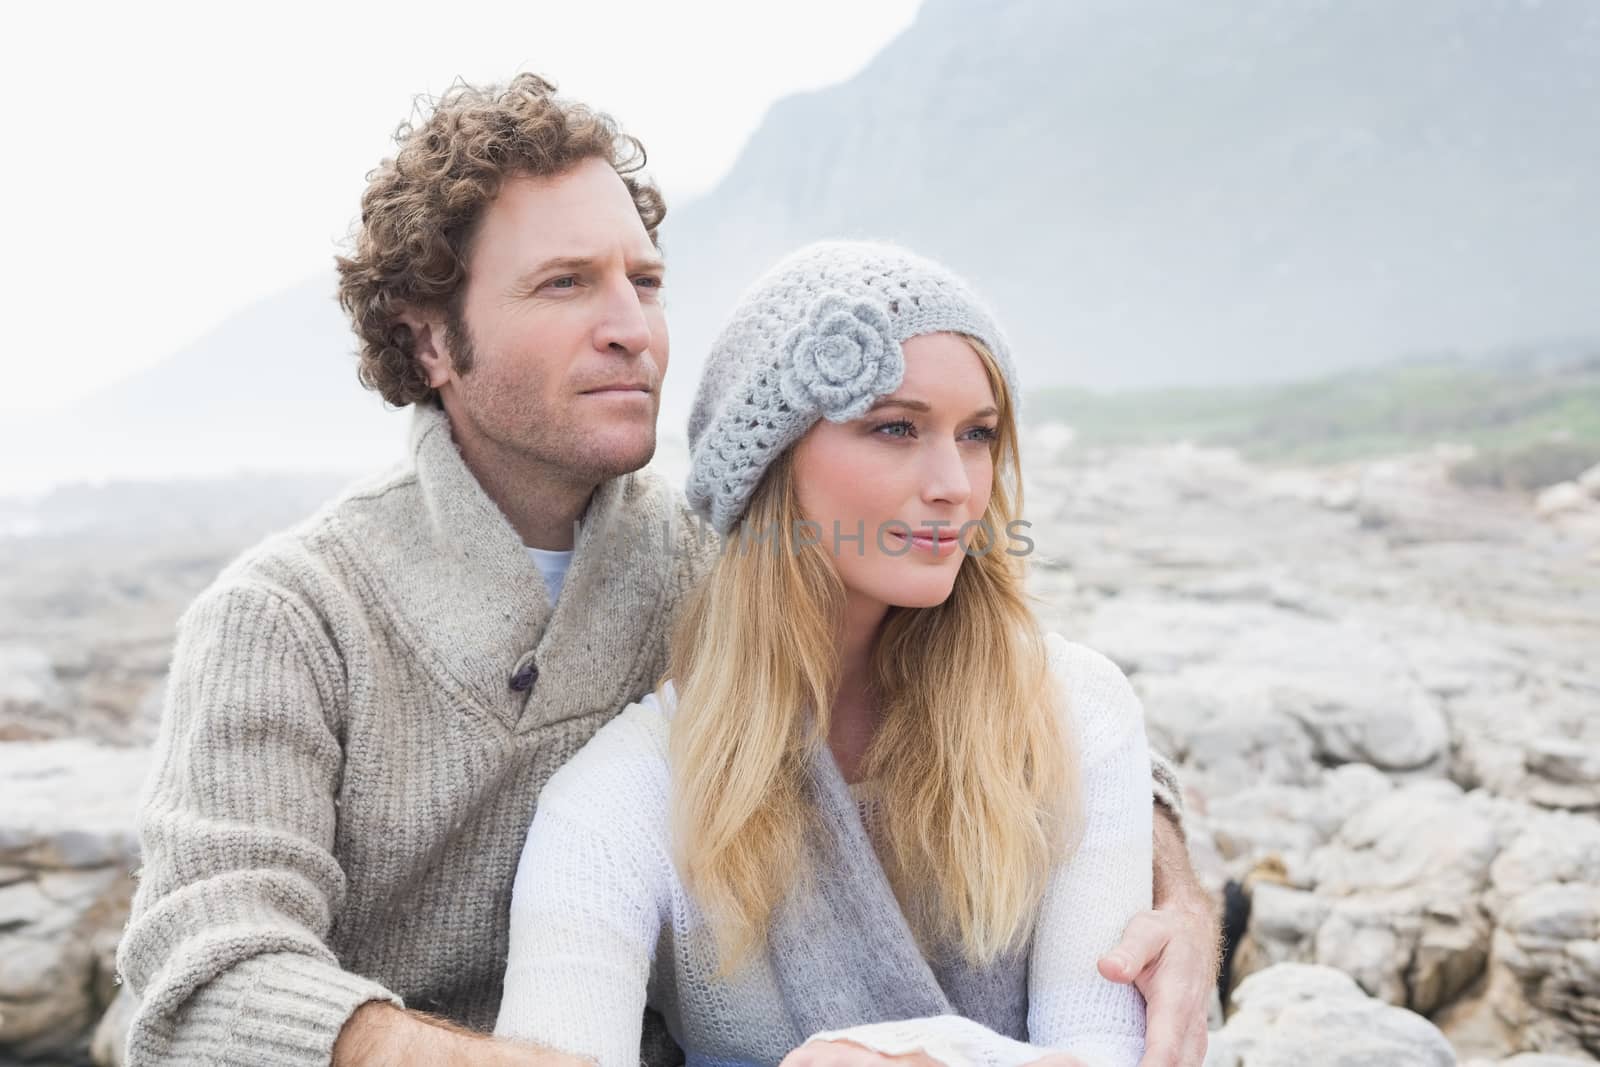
(471, 600)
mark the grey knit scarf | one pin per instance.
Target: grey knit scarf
(845, 955)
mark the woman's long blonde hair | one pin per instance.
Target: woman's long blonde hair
(976, 777)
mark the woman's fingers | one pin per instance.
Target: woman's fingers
(1057, 1059)
(850, 1054)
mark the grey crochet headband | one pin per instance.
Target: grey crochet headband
(818, 337)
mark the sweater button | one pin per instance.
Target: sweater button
(525, 675)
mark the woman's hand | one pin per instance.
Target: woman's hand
(850, 1054)
(1057, 1059)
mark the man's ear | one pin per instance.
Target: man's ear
(427, 345)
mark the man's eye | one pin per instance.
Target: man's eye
(649, 281)
(565, 282)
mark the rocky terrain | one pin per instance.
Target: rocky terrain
(1383, 690)
(1384, 694)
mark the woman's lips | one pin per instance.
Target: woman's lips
(938, 544)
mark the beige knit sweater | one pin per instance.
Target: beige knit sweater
(346, 770)
(360, 716)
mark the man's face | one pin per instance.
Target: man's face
(564, 330)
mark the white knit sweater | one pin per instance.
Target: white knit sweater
(601, 923)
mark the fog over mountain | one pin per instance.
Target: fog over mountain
(1151, 192)
(1167, 192)
(272, 388)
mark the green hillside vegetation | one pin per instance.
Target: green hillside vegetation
(1531, 426)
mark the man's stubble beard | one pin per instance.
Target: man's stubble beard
(527, 431)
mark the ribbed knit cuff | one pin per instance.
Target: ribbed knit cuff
(283, 1009)
(1165, 787)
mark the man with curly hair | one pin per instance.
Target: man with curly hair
(363, 709)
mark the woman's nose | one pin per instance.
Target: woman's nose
(945, 478)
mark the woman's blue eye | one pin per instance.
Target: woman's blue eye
(984, 433)
(898, 425)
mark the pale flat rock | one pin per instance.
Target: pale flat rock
(1531, 1059)
(68, 845)
(1297, 694)
(1590, 481)
(1294, 1015)
(33, 702)
(69, 803)
(1552, 848)
(1405, 874)
(1290, 821)
(57, 945)
(1391, 899)
(109, 1046)
(1563, 773)
(1561, 498)
(1549, 938)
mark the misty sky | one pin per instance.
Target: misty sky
(166, 165)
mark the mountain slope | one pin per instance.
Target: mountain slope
(1151, 192)
(1169, 192)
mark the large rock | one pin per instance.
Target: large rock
(67, 850)
(1391, 899)
(1545, 896)
(1292, 1015)
(33, 702)
(1549, 938)
(1245, 694)
(1561, 498)
(1563, 773)
(1535, 739)
(1288, 821)
(1409, 501)
(1550, 848)
(1539, 990)
(1531, 1059)
(1590, 481)
(109, 1046)
(1223, 729)
(1284, 921)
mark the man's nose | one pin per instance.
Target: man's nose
(623, 328)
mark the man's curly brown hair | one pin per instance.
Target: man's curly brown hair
(421, 209)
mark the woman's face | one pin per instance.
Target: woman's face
(906, 477)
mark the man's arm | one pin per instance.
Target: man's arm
(1176, 885)
(227, 944)
(382, 1035)
(1168, 793)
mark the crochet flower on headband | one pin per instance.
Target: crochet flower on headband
(841, 359)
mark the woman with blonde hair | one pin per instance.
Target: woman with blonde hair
(873, 807)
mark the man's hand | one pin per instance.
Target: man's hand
(850, 1054)
(1171, 955)
(378, 1034)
